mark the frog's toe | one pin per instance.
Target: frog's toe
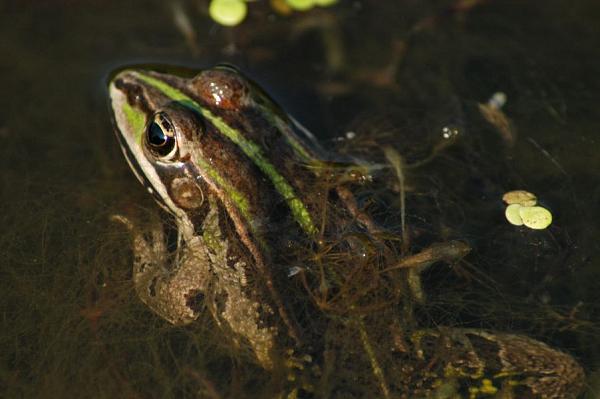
(124, 220)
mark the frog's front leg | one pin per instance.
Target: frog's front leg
(172, 291)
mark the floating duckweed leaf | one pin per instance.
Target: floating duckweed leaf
(325, 3)
(301, 5)
(228, 12)
(512, 214)
(521, 197)
(535, 217)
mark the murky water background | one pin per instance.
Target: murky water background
(397, 71)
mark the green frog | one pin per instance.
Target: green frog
(243, 182)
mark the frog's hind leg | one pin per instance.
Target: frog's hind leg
(512, 365)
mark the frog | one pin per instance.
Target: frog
(219, 162)
(243, 182)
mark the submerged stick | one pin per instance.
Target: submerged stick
(377, 371)
(395, 159)
(450, 251)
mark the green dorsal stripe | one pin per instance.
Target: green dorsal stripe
(251, 149)
(238, 198)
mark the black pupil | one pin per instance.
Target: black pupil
(156, 136)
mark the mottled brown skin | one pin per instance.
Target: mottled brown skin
(232, 265)
(517, 366)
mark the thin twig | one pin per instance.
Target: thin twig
(377, 371)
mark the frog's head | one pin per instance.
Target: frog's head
(215, 136)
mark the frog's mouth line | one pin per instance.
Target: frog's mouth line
(136, 167)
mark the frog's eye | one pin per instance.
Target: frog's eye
(160, 137)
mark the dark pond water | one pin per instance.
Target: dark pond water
(393, 73)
